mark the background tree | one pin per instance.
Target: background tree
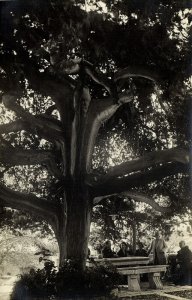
(65, 71)
(22, 249)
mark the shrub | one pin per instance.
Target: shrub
(68, 281)
(36, 282)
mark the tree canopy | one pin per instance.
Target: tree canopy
(95, 104)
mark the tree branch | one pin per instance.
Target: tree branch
(4, 84)
(138, 197)
(134, 71)
(28, 202)
(48, 84)
(15, 126)
(36, 124)
(60, 89)
(45, 82)
(99, 112)
(148, 160)
(139, 179)
(75, 66)
(17, 156)
(50, 109)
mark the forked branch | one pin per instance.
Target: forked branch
(100, 110)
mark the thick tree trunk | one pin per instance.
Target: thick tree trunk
(74, 234)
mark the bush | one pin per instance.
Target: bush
(36, 283)
(68, 281)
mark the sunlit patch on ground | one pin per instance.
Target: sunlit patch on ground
(6, 286)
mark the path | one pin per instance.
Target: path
(6, 286)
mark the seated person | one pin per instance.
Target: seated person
(125, 250)
(140, 251)
(107, 251)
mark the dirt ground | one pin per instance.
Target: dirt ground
(6, 286)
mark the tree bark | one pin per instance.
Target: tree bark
(74, 234)
(78, 227)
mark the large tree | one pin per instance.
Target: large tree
(71, 73)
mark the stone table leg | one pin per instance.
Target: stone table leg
(133, 283)
(155, 281)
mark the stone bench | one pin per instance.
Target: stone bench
(133, 274)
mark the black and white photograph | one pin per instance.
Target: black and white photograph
(95, 149)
